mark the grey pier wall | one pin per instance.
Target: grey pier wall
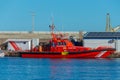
(43, 36)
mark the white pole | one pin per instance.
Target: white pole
(33, 21)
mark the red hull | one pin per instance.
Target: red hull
(85, 54)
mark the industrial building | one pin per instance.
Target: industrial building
(95, 39)
(20, 44)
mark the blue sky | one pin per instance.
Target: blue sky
(69, 15)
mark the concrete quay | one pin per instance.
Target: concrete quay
(11, 53)
(115, 55)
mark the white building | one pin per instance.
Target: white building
(21, 44)
(95, 39)
(18, 44)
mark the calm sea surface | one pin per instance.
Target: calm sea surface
(59, 69)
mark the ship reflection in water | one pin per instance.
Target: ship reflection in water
(59, 69)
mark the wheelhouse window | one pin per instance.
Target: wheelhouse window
(61, 43)
(53, 44)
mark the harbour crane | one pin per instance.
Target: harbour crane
(109, 28)
(115, 29)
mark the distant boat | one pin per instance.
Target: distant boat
(2, 54)
(61, 47)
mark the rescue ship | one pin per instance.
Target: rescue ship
(61, 47)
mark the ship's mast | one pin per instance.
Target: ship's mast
(52, 27)
(52, 30)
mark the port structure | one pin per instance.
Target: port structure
(33, 21)
(109, 28)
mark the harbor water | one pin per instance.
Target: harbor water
(16, 68)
